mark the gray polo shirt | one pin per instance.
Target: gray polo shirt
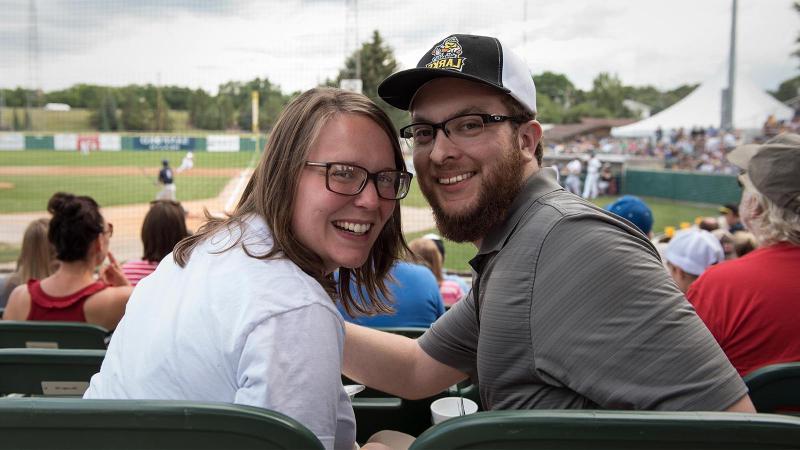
(575, 310)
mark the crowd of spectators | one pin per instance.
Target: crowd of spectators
(700, 149)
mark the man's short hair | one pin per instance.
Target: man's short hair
(515, 109)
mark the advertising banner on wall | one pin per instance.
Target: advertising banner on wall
(88, 143)
(163, 143)
(222, 142)
(12, 141)
(110, 142)
(65, 142)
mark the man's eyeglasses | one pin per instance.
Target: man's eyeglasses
(350, 179)
(459, 129)
(109, 229)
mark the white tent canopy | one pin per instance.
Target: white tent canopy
(703, 107)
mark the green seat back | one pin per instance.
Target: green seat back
(38, 371)
(606, 430)
(44, 423)
(376, 410)
(34, 334)
(410, 332)
(775, 388)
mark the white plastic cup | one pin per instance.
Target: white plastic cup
(448, 407)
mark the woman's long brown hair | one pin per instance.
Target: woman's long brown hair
(271, 190)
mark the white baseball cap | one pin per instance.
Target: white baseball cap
(694, 251)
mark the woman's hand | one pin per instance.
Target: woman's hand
(112, 274)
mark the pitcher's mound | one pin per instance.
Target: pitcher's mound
(6, 185)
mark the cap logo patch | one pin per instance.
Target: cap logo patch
(447, 55)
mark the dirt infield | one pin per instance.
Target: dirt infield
(113, 170)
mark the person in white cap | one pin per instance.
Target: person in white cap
(750, 304)
(570, 305)
(690, 253)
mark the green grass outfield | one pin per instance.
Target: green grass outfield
(31, 192)
(149, 159)
(665, 212)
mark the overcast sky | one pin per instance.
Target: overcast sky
(298, 43)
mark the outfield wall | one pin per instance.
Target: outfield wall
(682, 186)
(134, 142)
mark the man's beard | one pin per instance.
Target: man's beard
(498, 190)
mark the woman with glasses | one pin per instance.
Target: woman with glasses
(163, 227)
(245, 311)
(73, 293)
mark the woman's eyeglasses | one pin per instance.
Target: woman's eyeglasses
(350, 179)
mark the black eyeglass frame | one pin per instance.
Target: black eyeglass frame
(370, 176)
(487, 119)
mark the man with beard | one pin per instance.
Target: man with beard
(570, 306)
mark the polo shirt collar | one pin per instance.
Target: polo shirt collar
(538, 185)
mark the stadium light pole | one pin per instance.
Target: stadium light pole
(726, 122)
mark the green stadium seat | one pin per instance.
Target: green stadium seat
(775, 388)
(38, 371)
(606, 430)
(34, 334)
(410, 332)
(376, 410)
(45, 423)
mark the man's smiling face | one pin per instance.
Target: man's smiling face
(469, 186)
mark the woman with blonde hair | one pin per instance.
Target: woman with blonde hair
(426, 252)
(245, 311)
(36, 258)
(81, 238)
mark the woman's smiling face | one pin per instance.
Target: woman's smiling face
(341, 229)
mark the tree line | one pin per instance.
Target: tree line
(146, 108)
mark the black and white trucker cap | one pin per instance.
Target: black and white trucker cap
(481, 59)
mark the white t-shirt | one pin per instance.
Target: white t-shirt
(235, 329)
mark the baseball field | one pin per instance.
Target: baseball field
(124, 183)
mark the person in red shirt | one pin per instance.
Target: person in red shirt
(81, 239)
(751, 304)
